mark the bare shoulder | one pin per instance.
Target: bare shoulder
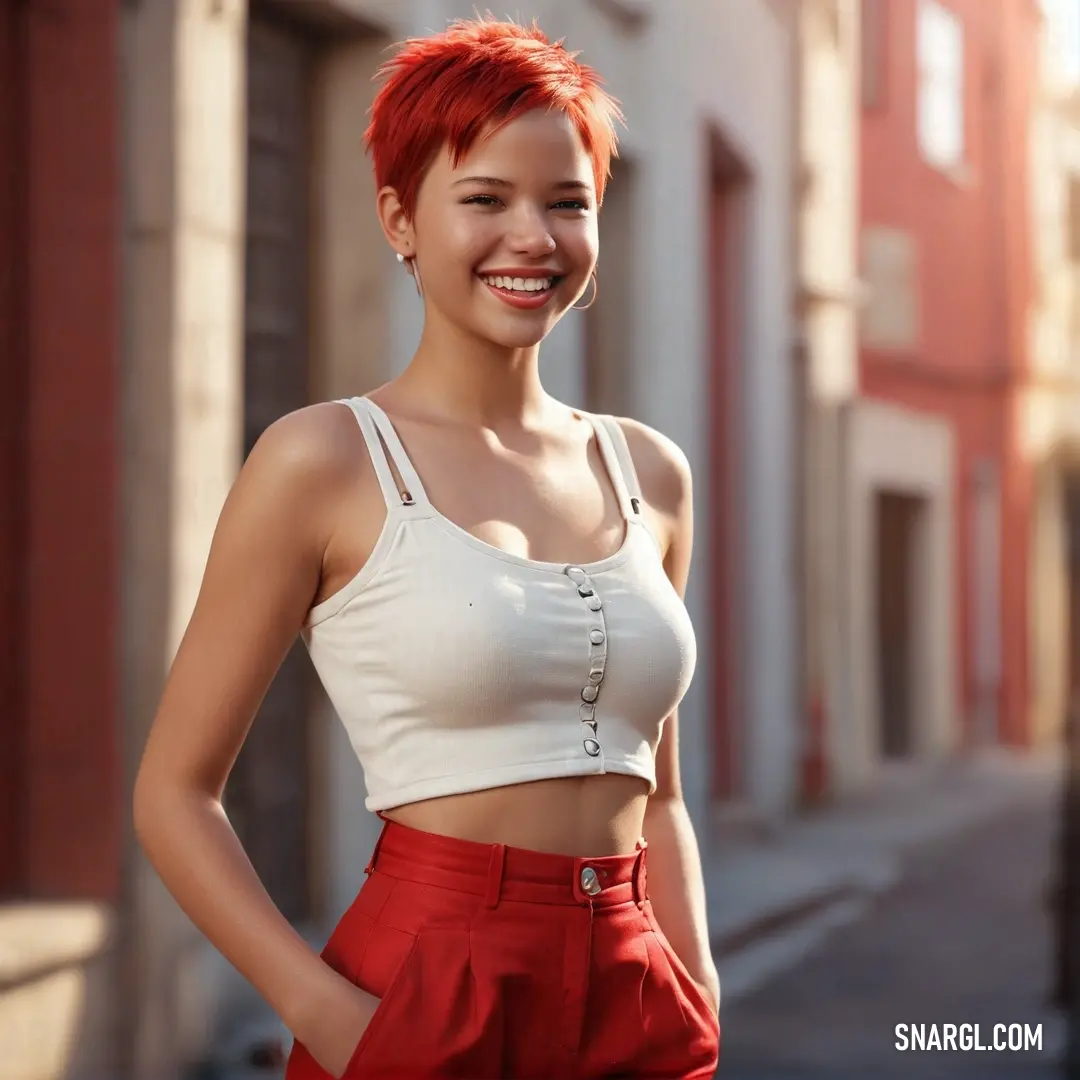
(312, 443)
(662, 468)
(308, 450)
(298, 469)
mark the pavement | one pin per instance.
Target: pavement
(962, 939)
(771, 900)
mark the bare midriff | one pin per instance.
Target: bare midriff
(584, 816)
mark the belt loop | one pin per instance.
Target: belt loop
(378, 843)
(495, 875)
(641, 881)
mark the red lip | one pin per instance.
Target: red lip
(525, 301)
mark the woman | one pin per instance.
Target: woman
(489, 583)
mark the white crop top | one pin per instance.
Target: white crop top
(456, 666)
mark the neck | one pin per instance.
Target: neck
(463, 378)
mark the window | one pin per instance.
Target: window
(889, 266)
(940, 59)
(1063, 39)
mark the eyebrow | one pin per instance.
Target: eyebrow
(493, 181)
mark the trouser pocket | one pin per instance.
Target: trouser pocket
(428, 1022)
(374, 979)
(673, 994)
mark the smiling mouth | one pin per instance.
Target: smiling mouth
(522, 285)
(523, 293)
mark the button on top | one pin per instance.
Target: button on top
(591, 691)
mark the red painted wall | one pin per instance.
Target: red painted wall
(974, 285)
(60, 224)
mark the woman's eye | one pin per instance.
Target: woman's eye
(490, 200)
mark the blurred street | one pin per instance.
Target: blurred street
(963, 938)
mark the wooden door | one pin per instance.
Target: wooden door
(269, 792)
(727, 193)
(897, 520)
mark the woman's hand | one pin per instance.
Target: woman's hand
(335, 1025)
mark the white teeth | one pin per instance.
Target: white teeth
(520, 284)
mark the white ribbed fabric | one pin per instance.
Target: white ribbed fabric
(458, 667)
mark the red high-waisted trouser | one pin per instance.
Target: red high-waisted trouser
(495, 962)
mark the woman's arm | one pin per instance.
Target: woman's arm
(676, 884)
(262, 574)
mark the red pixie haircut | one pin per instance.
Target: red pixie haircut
(450, 88)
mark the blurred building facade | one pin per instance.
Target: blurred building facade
(938, 485)
(825, 301)
(877, 670)
(935, 298)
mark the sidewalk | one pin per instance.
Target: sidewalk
(963, 938)
(829, 863)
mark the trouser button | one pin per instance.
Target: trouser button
(590, 883)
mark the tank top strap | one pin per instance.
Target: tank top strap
(413, 492)
(620, 465)
(375, 450)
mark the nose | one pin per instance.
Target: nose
(529, 234)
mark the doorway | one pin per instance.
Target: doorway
(610, 326)
(728, 190)
(899, 519)
(269, 790)
(985, 603)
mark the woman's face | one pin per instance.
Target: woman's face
(506, 242)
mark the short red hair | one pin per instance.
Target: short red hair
(448, 88)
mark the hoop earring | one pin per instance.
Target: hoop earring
(410, 268)
(596, 290)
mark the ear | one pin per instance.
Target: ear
(395, 223)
